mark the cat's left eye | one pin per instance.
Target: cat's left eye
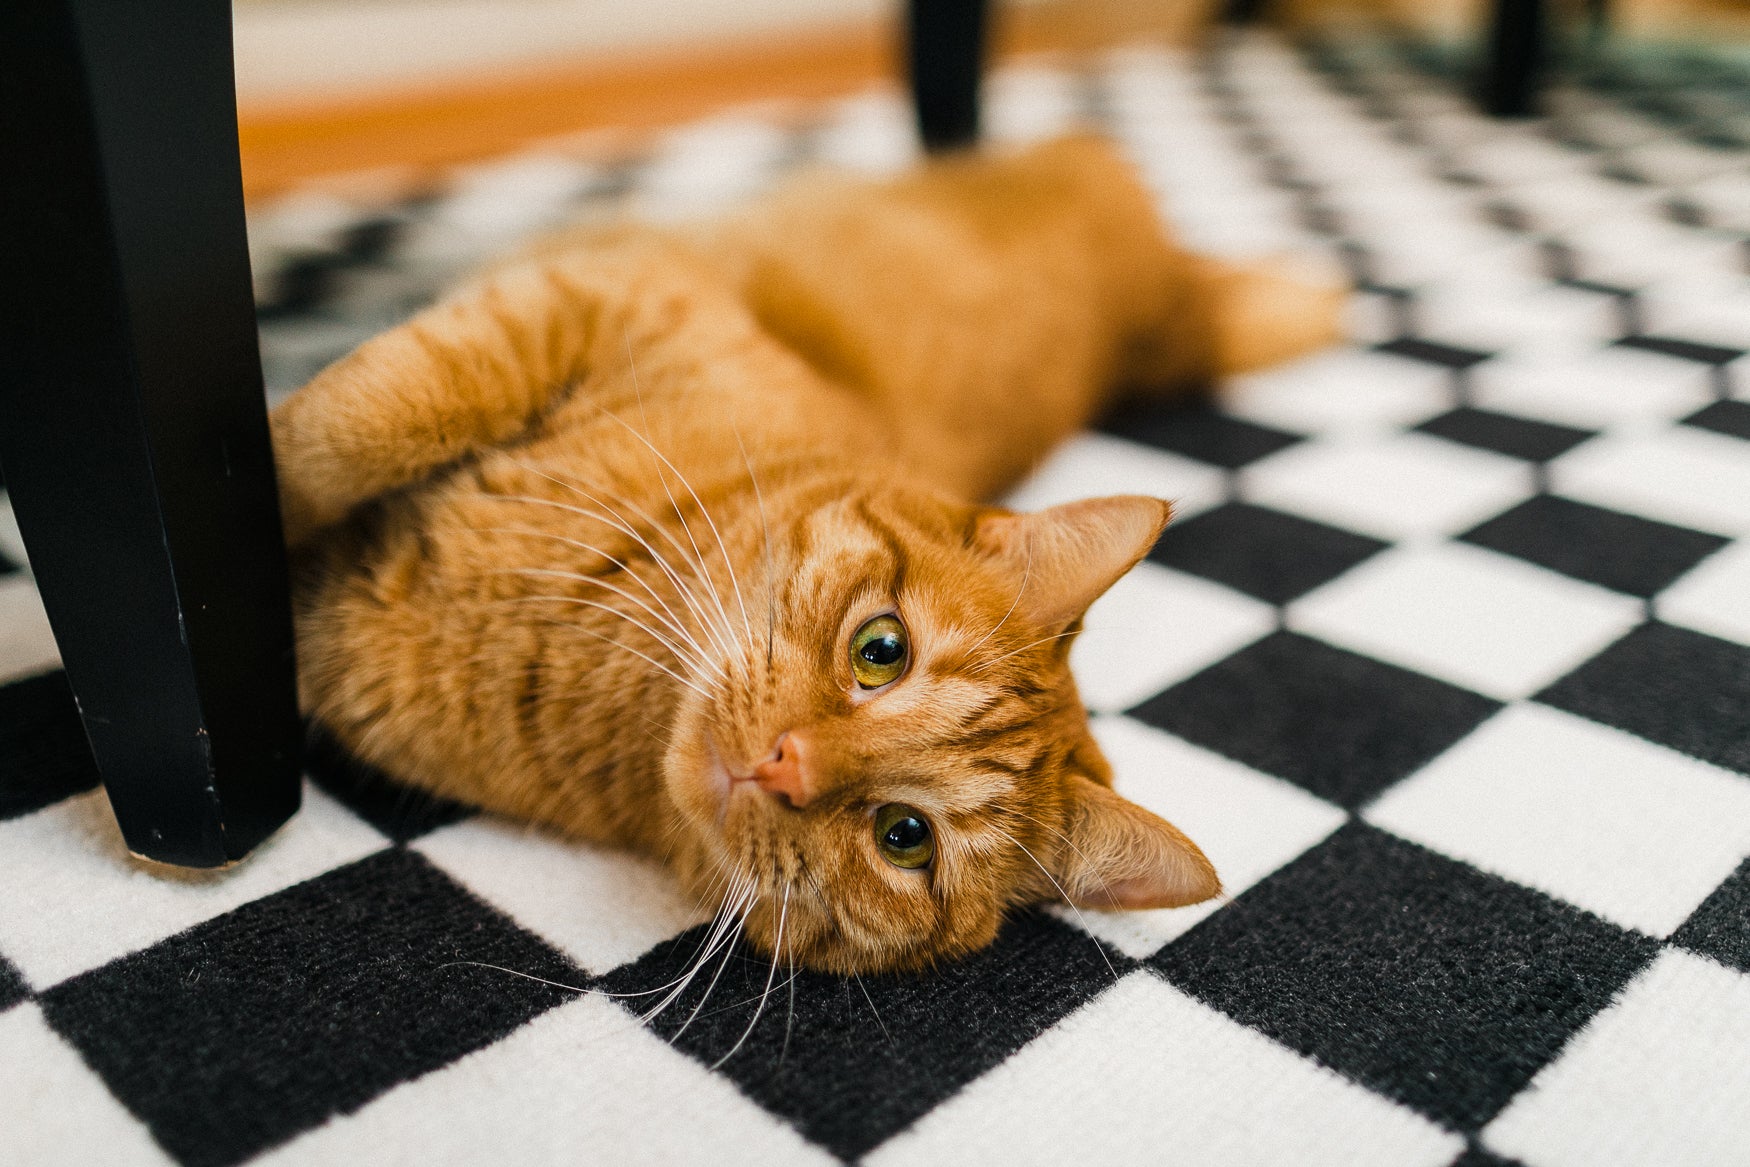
(878, 652)
(904, 835)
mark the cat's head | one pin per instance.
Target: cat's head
(905, 757)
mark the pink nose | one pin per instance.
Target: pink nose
(785, 773)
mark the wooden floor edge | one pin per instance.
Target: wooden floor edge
(431, 127)
(411, 133)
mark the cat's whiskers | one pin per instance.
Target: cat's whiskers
(526, 976)
(734, 936)
(735, 897)
(790, 1017)
(705, 511)
(653, 662)
(680, 655)
(723, 635)
(872, 1009)
(1064, 894)
(1071, 844)
(771, 972)
(671, 620)
(694, 958)
(679, 643)
(614, 520)
(766, 539)
(994, 661)
(1026, 571)
(696, 566)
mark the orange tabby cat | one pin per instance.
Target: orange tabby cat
(675, 540)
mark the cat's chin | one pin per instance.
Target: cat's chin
(717, 781)
(697, 780)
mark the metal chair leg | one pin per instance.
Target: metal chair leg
(132, 422)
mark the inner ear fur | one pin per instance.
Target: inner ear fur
(1117, 854)
(1069, 555)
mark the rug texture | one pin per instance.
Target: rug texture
(1446, 663)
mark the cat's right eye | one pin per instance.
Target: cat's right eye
(878, 652)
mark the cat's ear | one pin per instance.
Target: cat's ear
(1069, 554)
(1117, 854)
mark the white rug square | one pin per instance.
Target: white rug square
(1485, 621)
(1154, 628)
(1403, 487)
(602, 908)
(1120, 1081)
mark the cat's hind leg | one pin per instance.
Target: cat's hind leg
(1272, 311)
(1230, 318)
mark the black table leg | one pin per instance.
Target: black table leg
(1517, 31)
(132, 422)
(945, 44)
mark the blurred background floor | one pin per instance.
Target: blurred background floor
(328, 87)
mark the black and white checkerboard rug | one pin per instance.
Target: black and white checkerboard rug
(1446, 664)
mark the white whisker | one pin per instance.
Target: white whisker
(682, 653)
(693, 685)
(1016, 651)
(737, 892)
(728, 951)
(728, 562)
(766, 538)
(771, 972)
(1064, 894)
(872, 1008)
(614, 520)
(671, 619)
(1026, 571)
(790, 1017)
(513, 972)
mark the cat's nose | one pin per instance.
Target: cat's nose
(785, 773)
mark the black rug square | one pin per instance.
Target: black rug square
(1720, 928)
(1723, 417)
(1199, 432)
(1669, 685)
(851, 1062)
(1434, 352)
(1339, 724)
(1478, 1156)
(401, 812)
(1421, 977)
(1274, 556)
(239, 1033)
(44, 756)
(1683, 350)
(1503, 433)
(12, 987)
(1623, 552)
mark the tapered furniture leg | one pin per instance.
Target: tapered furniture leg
(133, 427)
(1514, 64)
(945, 45)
